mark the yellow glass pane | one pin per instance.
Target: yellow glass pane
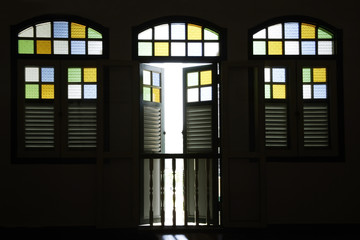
(307, 31)
(319, 74)
(90, 75)
(205, 77)
(156, 95)
(43, 47)
(77, 30)
(275, 48)
(161, 49)
(194, 32)
(279, 91)
(47, 91)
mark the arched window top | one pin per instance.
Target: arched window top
(179, 37)
(293, 38)
(60, 37)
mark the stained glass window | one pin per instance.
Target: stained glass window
(199, 86)
(82, 82)
(275, 83)
(151, 86)
(39, 82)
(314, 83)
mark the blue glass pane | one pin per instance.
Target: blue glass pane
(320, 91)
(61, 29)
(47, 74)
(78, 47)
(90, 91)
(278, 75)
(156, 79)
(308, 48)
(292, 30)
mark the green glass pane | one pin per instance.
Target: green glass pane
(147, 94)
(26, 47)
(74, 74)
(94, 34)
(323, 34)
(267, 91)
(306, 75)
(259, 48)
(145, 49)
(31, 91)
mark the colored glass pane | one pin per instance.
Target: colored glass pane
(319, 74)
(291, 30)
(275, 48)
(259, 48)
(156, 79)
(307, 94)
(211, 49)
(90, 74)
(178, 49)
(26, 46)
(210, 34)
(74, 91)
(260, 34)
(156, 95)
(278, 75)
(146, 77)
(279, 91)
(32, 74)
(161, 49)
(61, 47)
(28, 32)
(161, 32)
(205, 94)
(145, 35)
(292, 48)
(90, 91)
(146, 94)
(320, 91)
(307, 31)
(194, 32)
(324, 34)
(267, 91)
(43, 30)
(43, 47)
(325, 48)
(61, 29)
(267, 75)
(74, 74)
(275, 31)
(47, 91)
(95, 47)
(306, 75)
(31, 91)
(77, 30)
(145, 49)
(178, 31)
(47, 74)
(78, 47)
(94, 34)
(192, 79)
(308, 48)
(194, 49)
(193, 95)
(205, 77)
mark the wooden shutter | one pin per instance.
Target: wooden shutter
(276, 125)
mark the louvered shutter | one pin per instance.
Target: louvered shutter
(276, 124)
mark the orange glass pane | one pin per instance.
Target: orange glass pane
(194, 32)
(275, 48)
(156, 95)
(205, 77)
(90, 75)
(307, 31)
(43, 47)
(77, 30)
(279, 91)
(47, 91)
(161, 49)
(319, 74)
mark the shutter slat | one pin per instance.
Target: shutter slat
(316, 125)
(276, 125)
(152, 129)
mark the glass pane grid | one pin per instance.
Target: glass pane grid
(275, 83)
(314, 83)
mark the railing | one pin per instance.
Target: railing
(180, 189)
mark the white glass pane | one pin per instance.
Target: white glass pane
(95, 48)
(74, 91)
(260, 34)
(325, 48)
(193, 79)
(178, 49)
(193, 95)
(194, 49)
(146, 77)
(267, 75)
(178, 31)
(145, 49)
(32, 74)
(292, 48)
(61, 47)
(29, 32)
(259, 48)
(90, 91)
(43, 30)
(278, 75)
(145, 35)
(307, 91)
(162, 32)
(211, 49)
(210, 35)
(275, 31)
(205, 94)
